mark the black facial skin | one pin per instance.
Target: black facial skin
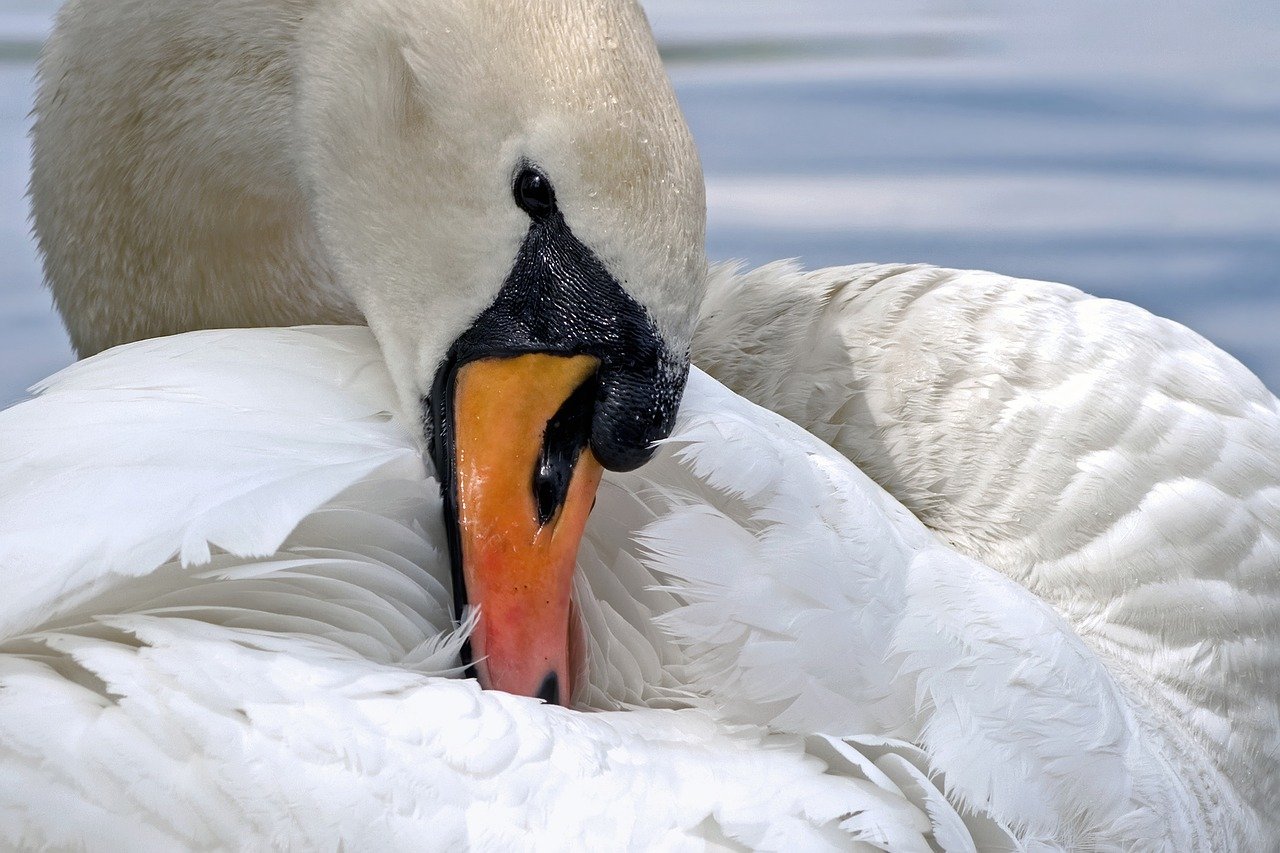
(565, 438)
(559, 299)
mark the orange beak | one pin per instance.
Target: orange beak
(524, 483)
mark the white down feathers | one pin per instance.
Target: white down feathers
(1116, 464)
(749, 572)
(280, 691)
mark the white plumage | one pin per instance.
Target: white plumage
(282, 692)
(1113, 463)
(749, 572)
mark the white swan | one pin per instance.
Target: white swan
(285, 162)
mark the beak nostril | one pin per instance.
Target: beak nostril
(567, 434)
(549, 692)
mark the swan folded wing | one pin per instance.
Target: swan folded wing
(1116, 464)
(813, 602)
(186, 446)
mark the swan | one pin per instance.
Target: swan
(252, 605)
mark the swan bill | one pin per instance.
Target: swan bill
(524, 480)
(564, 375)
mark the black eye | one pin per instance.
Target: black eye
(534, 193)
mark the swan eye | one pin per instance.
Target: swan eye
(534, 193)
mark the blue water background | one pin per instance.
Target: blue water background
(1128, 148)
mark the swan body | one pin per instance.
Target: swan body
(270, 627)
(318, 560)
(790, 595)
(228, 543)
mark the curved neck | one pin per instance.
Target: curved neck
(163, 192)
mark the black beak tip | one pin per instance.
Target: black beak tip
(549, 692)
(636, 409)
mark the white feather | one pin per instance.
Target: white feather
(281, 691)
(749, 571)
(1115, 465)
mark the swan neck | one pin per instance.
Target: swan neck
(164, 194)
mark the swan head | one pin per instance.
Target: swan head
(509, 194)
